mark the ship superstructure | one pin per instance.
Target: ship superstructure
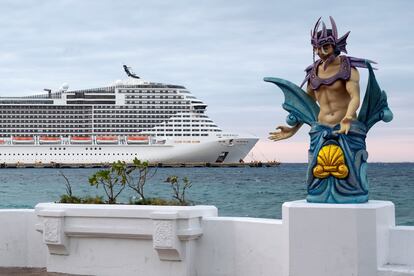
(131, 118)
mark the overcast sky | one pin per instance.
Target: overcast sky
(220, 50)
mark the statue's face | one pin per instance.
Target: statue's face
(324, 51)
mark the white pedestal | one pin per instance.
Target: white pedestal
(337, 239)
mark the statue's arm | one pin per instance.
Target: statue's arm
(310, 92)
(285, 132)
(352, 87)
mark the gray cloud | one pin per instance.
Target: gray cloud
(220, 50)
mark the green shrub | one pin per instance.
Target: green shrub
(155, 201)
(112, 180)
(179, 189)
(69, 199)
(118, 176)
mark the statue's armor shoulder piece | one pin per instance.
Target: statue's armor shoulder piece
(344, 72)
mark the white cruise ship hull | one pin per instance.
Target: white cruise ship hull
(128, 119)
(207, 151)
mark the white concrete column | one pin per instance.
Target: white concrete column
(337, 239)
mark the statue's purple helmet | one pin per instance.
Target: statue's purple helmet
(326, 36)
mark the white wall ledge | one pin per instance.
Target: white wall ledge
(126, 211)
(310, 240)
(246, 219)
(170, 228)
(402, 246)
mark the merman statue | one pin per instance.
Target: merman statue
(337, 168)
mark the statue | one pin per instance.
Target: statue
(337, 168)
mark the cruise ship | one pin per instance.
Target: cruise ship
(156, 122)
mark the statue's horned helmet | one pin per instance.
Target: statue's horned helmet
(326, 36)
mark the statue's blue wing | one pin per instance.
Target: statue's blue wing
(375, 106)
(301, 107)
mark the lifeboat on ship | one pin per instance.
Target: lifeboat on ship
(81, 140)
(143, 140)
(107, 139)
(28, 140)
(2, 141)
(49, 140)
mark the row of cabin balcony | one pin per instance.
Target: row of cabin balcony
(113, 107)
(48, 116)
(5, 133)
(48, 122)
(155, 97)
(51, 107)
(148, 107)
(150, 90)
(138, 108)
(37, 127)
(184, 125)
(26, 102)
(69, 131)
(141, 101)
(43, 112)
(185, 134)
(42, 118)
(185, 130)
(111, 120)
(145, 109)
(156, 103)
(136, 116)
(80, 125)
(36, 119)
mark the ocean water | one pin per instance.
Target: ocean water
(241, 192)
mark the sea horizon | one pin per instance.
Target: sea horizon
(237, 192)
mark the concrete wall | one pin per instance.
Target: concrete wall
(402, 245)
(311, 239)
(400, 258)
(20, 244)
(252, 247)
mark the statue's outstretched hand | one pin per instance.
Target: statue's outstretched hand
(345, 125)
(282, 132)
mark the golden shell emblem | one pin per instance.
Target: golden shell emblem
(331, 161)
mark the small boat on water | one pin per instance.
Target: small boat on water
(81, 140)
(107, 140)
(49, 140)
(23, 140)
(138, 140)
